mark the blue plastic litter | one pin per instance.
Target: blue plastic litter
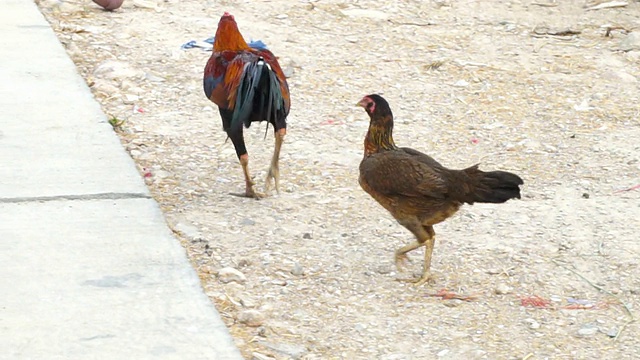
(207, 44)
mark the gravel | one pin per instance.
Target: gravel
(468, 82)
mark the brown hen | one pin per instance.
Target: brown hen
(416, 189)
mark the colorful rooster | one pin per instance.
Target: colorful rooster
(248, 85)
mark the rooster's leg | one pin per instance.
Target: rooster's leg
(274, 170)
(249, 192)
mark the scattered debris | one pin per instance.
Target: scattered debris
(535, 301)
(542, 31)
(635, 187)
(551, 4)
(608, 5)
(253, 318)
(588, 330)
(502, 289)
(116, 123)
(445, 294)
(291, 350)
(630, 42)
(230, 274)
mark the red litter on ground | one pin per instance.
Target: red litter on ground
(535, 301)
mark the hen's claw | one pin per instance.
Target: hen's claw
(425, 278)
(402, 261)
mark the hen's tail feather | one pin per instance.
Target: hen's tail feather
(493, 186)
(258, 92)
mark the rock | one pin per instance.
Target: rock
(247, 301)
(258, 356)
(297, 270)
(502, 289)
(145, 4)
(588, 330)
(247, 222)
(230, 274)
(396, 356)
(253, 318)
(130, 99)
(307, 236)
(189, 231)
(294, 351)
(363, 13)
(109, 4)
(453, 303)
(461, 83)
(104, 87)
(613, 332)
(443, 353)
(630, 42)
(533, 324)
(116, 70)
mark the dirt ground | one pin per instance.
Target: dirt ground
(536, 88)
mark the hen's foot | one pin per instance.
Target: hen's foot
(425, 278)
(402, 262)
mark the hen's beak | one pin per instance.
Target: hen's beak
(362, 103)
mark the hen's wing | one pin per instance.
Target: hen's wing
(403, 173)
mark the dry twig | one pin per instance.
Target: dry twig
(601, 289)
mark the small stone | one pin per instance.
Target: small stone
(247, 222)
(246, 301)
(307, 236)
(282, 16)
(630, 42)
(258, 356)
(229, 274)
(297, 270)
(443, 353)
(187, 230)
(130, 99)
(291, 350)
(533, 324)
(613, 332)
(288, 71)
(453, 303)
(588, 330)
(253, 318)
(502, 289)
(116, 70)
(461, 83)
(364, 13)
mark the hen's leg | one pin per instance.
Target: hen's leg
(428, 250)
(425, 236)
(274, 170)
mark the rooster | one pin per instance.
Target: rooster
(416, 189)
(248, 85)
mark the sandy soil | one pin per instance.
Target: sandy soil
(535, 88)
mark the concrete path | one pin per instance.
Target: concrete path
(88, 266)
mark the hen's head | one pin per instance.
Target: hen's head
(375, 105)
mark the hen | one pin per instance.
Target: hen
(248, 85)
(417, 190)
